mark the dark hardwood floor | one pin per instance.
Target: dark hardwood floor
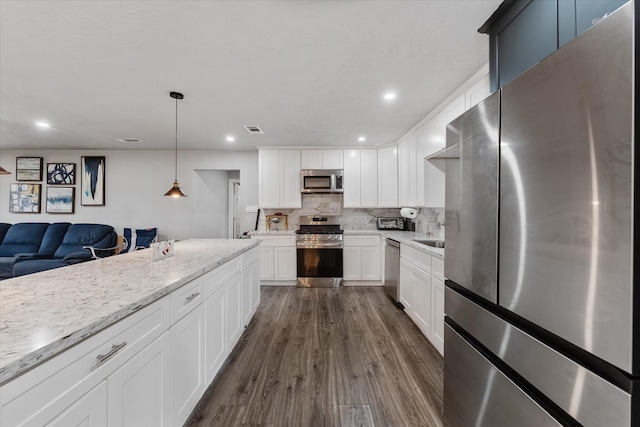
(326, 357)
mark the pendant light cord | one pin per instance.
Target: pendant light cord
(176, 160)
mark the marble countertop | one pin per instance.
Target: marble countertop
(405, 237)
(44, 313)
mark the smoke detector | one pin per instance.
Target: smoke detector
(129, 140)
(253, 129)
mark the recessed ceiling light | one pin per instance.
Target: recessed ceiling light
(230, 138)
(389, 96)
(43, 125)
(362, 139)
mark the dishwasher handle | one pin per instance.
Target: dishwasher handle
(392, 242)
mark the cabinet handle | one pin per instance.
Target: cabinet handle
(192, 296)
(114, 349)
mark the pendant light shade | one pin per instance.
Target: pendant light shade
(3, 171)
(176, 191)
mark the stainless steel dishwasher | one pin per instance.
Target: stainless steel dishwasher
(392, 270)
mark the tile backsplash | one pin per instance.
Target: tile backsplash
(428, 220)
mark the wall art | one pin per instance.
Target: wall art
(24, 198)
(92, 181)
(61, 173)
(60, 199)
(29, 168)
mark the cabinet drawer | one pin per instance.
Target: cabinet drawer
(216, 278)
(277, 240)
(41, 394)
(437, 268)
(186, 298)
(249, 258)
(417, 257)
(361, 241)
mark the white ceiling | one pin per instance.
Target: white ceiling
(307, 72)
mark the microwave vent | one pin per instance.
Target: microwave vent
(129, 140)
(253, 129)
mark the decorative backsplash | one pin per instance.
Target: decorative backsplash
(427, 221)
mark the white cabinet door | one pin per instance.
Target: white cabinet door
(453, 110)
(422, 300)
(434, 135)
(255, 279)
(368, 178)
(352, 263)
(351, 182)
(437, 322)
(332, 159)
(479, 91)
(404, 173)
(310, 159)
(420, 167)
(371, 263)
(140, 390)
(388, 177)
(215, 328)
(233, 297)
(434, 170)
(246, 303)
(187, 364)
(290, 196)
(284, 260)
(269, 178)
(88, 411)
(266, 263)
(407, 286)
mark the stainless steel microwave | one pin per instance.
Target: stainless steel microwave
(321, 181)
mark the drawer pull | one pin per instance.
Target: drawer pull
(114, 349)
(192, 296)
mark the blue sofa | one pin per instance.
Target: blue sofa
(31, 247)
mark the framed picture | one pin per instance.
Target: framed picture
(29, 168)
(92, 181)
(60, 199)
(24, 198)
(61, 173)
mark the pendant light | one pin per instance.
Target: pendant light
(175, 191)
(3, 171)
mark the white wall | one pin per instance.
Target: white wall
(136, 181)
(211, 203)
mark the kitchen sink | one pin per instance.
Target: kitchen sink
(432, 243)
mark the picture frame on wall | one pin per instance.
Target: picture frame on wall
(25, 198)
(61, 200)
(29, 168)
(61, 173)
(92, 181)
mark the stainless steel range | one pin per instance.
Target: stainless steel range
(319, 251)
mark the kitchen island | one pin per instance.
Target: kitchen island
(56, 324)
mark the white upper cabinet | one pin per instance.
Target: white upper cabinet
(388, 177)
(411, 173)
(479, 91)
(321, 159)
(279, 179)
(404, 175)
(453, 110)
(360, 178)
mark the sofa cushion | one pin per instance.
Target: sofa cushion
(34, 266)
(23, 237)
(6, 267)
(80, 235)
(53, 237)
(4, 227)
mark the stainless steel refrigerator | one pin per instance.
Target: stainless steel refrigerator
(542, 308)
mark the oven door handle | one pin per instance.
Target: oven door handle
(331, 245)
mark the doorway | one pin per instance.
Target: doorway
(215, 203)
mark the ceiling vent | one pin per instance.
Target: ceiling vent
(254, 129)
(129, 140)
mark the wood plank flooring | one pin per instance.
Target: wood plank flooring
(326, 357)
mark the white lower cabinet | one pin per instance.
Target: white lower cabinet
(148, 369)
(187, 364)
(139, 390)
(278, 258)
(89, 411)
(422, 292)
(361, 258)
